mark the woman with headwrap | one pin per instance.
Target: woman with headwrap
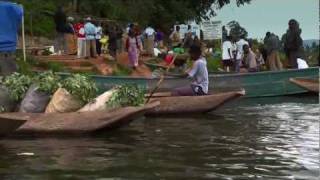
(293, 44)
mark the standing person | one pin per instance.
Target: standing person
(272, 46)
(60, 20)
(250, 59)
(113, 41)
(90, 31)
(260, 58)
(10, 20)
(133, 46)
(81, 39)
(70, 37)
(99, 33)
(175, 37)
(149, 34)
(188, 38)
(227, 55)
(119, 39)
(224, 33)
(239, 57)
(199, 74)
(293, 44)
(159, 38)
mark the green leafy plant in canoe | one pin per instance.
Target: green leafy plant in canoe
(18, 85)
(127, 95)
(81, 87)
(47, 82)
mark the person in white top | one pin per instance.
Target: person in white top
(99, 33)
(302, 64)
(149, 40)
(240, 53)
(227, 55)
(198, 73)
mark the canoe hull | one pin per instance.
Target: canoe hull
(77, 123)
(261, 84)
(312, 85)
(8, 126)
(192, 104)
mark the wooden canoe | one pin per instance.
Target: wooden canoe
(77, 123)
(311, 85)
(260, 84)
(191, 104)
(8, 125)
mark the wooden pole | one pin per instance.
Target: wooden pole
(23, 39)
(161, 79)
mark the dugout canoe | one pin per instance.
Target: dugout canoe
(311, 85)
(260, 84)
(77, 123)
(183, 105)
(8, 126)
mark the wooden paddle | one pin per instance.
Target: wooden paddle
(161, 79)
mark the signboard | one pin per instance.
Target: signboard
(184, 29)
(212, 30)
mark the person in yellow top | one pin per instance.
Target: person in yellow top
(175, 38)
(104, 43)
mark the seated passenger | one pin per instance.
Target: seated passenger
(199, 74)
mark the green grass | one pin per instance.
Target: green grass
(121, 71)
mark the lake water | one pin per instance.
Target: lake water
(274, 138)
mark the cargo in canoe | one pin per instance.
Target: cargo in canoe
(311, 85)
(182, 105)
(77, 123)
(8, 125)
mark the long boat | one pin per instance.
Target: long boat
(76, 123)
(185, 105)
(311, 85)
(8, 125)
(260, 84)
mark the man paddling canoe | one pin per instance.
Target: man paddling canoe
(199, 74)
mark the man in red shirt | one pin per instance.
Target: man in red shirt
(79, 28)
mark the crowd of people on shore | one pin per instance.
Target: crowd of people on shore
(88, 38)
(238, 52)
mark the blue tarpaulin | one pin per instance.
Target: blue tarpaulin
(10, 21)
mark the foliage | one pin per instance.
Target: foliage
(18, 85)
(158, 13)
(236, 30)
(47, 82)
(214, 63)
(55, 67)
(127, 95)
(312, 54)
(81, 87)
(24, 67)
(121, 71)
(2, 109)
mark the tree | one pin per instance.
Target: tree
(161, 13)
(236, 30)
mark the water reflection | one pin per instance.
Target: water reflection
(275, 138)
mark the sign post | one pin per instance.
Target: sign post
(23, 37)
(212, 30)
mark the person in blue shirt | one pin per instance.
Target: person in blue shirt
(90, 32)
(10, 19)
